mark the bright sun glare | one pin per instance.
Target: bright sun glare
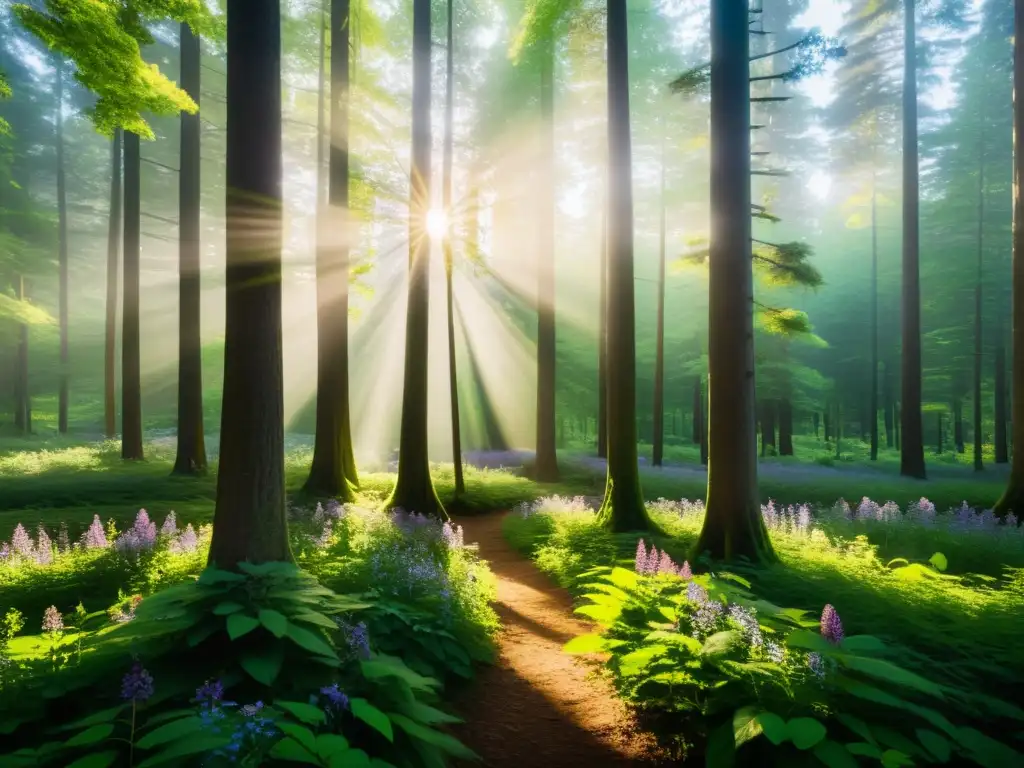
(820, 184)
(437, 223)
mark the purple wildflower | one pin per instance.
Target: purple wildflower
(685, 573)
(211, 692)
(44, 548)
(452, 536)
(706, 619)
(747, 620)
(5, 550)
(640, 563)
(816, 664)
(831, 626)
(52, 620)
(336, 699)
(140, 537)
(356, 637)
(695, 593)
(187, 541)
(170, 527)
(21, 542)
(803, 518)
(775, 651)
(666, 565)
(95, 537)
(324, 538)
(137, 685)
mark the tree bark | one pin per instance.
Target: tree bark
(958, 425)
(912, 455)
(191, 454)
(249, 520)
(414, 490)
(1000, 397)
(873, 404)
(785, 412)
(733, 526)
(453, 378)
(62, 258)
(767, 412)
(113, 263)
(658, 447)
(22, 394)
(623, 505)
(333, 469)
(703, 421)
(887, 405)
(897, 421)
(131, 365)
(978, 464)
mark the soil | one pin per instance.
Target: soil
(537, 706)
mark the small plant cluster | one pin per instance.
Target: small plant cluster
(750, 683)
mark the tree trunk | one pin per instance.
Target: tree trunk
(768, 411)
(414, 491)
(703, 422)
(827, 418)
(623, 506)
(912, 455)
(22, 394)
(733, 526)
(191, 455)
(978, 464)
(249, 520)
(602, 338)
(547, 459)
(453, 378)
(887, 405)
(659, 357)
(958, 425)
(785, 412)
(62, 258)
(131, 365)
(110, 331)
(873, 404)
(817, 424)
(1000, 397)
(897, 421)
(1013, 498)
(333, 469)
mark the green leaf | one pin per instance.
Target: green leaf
(809, 641)
(196, 635)
(227, 607)
(442, 741)
(300, 733)
(896, 740)
(91, 735)
(602, 614)
(987, 750)
(105, 716)
(305, 713)
(935, 743)
(388, 666)
(95, 760)
(163, 717)
(177, 729)
(592, 643)
(889, 672)
(240, 624)
(624, 579)
(289, 749)
(893, 759)
(275, 621)
(184, 748)
(745, 725)
(213, 576)
(313, 617)
(862, 643)
(373, 717)
(263, 667)
(312, 642)
(428, 715)
(870, 693)
(939, 562)
(773, 727)
(833, 755)
(857, 726)
(721, 643)
(864, 749)
(805, 732)
(328, 744)
(352, 758)
(721, 750)
(638, 661)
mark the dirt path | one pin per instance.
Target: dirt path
(537, 706)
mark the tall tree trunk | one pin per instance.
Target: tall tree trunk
(110, 331)
(897, 421)
(887, 404)
(1013, 498)
(453, 378)
(131, 364)
(414, 490)
(827, 418)
(249, 520)
(785, 411)
(1000, 397)
(912, 455)
(333, 469)
(62, 258)
(733, 525)
(702, 417)
(191, 455)
(767, 412)
(938, 433)
(958, 425)
(602, 337)
(697, 405)
(22, 394)
(978, 464)
(547, 459)
(873, 404)
(623, 506)
(659, 356)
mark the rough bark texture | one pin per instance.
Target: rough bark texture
(1012, 499)
(602, 339)
(414, 490)
(333, 470)
(733, 525)
(785, 414)
(1000, 397)
(623, 506)
(62, 257)
(658, 441)
(912, 455)
(113, 263)
(767, 413)
(896, 424)
(191, 454)
(131, 366)
(249, 520)
(453, 377)
(547, 461)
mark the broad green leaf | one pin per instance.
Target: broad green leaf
(177, 729)
(592, 643)
(373, 717)
(105, 716)
(428, 715)
(870, 693)
(163, 717)
(275, 621)
(893, 759)
(300, 734)
(773, 727)
(263, 667)
(895, 740)
(91, 735)
(889, 672)
(862, 643)
(669, 612)
(939, 562)
(721, 750)
(987, 750)
(603, 614)
(857, 726)
(213, 576)
(95, 760)
(305, 713)
(185, 748)
(442, 741)
(938, 745)
(637, 662)
(745, 725)
(313, 617)
(388, 666)
(809, 641)
(311, 641)
(624, 579)
(863, 749)
(351, 758)
(328, 744)
(833, 755)
(227, 607)
(289, 749)
(728, 576)
(721, 643)
(240, 624)
(805, 732)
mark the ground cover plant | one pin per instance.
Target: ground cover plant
(927, 649)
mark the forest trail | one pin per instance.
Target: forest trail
(537, 706)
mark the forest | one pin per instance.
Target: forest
(411, 384)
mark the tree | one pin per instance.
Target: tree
(131, 361)
(249, 521)
(333, 470)
(62, 250)
(414, 490)
(657, 447)
(110, 326)
(191, 453)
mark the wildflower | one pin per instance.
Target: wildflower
(775, 651)
(747, 619)
(211, 692)
(705, 620)
(251, 710)
(44, 548)
(137, 685)
(868, 510)
(356, 637)
(52, 620)
(95, 537)
(170, 527)
(665, 565)
(452, 537)
(816, 664)
(831, 626)
(140, 537)
(695, 593)
(187, 541)
(803, 518)
(685, 573)
(640, 563)
(336, 699)
(21, 542)
(324, 539)
(1011, 520)
(5, 550)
